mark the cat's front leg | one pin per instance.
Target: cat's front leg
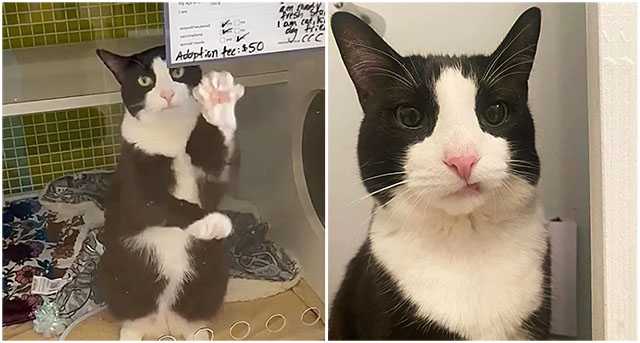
(217, 94)
(212, 226)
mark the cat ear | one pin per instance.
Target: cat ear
(116, 63)
(513, 59)
(370, 61)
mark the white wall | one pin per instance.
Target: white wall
(612, 65)
(557, 100)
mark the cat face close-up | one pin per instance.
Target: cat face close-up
(448, 132)
(148, 85)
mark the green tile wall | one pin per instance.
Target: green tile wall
(39, 147)
(38, 24)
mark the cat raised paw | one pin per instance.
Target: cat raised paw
(212, 226)
(217, 94)
(128, 333)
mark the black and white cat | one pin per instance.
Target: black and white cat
(164, 269)
(456, 248)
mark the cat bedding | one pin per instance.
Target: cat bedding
(26, 251)
(259, 268)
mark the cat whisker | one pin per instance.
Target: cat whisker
(510, 74)
(392, 76)
(507, 185)
(504, 187)
(382, 175)
(367, 163)
(522, 171)
(512, 66)
(381, 190)
(517, 160)
(403, 88)
(384, 71)
(393, 211)
(362, 64)
(413, 65)
(503, 50)
(528, 178)
(524, 175)
(385, 54)
(524, 168)
(524, 163)
(400, 195)
(498, 68)
(371, 163)
(415, 205)
(397, 196)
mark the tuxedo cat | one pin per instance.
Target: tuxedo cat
(456, 247)
(164, 269)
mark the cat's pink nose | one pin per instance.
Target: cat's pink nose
(167, 95)
(462, 164)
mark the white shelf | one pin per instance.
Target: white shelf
(61, 77)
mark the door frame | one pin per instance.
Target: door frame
(613, 146)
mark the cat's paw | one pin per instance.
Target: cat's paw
(212, 226)
(218, 93)
(128, 333)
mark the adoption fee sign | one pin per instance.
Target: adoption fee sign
(199, 31)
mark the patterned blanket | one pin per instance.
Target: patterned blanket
(27, 251)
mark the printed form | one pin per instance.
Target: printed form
(209, 31)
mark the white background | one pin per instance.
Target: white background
(557, 100)
(256, 22)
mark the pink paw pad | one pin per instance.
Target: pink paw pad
(220, 97)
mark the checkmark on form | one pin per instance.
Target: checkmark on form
(226, 26)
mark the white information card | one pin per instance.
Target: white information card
(199, 31)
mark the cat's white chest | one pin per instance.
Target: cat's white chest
(186, 179)
(481, 282)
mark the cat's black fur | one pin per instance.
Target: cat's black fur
(140, 197)
(368, 304)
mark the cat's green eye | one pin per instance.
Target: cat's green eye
(145, 81)
(409, 117)
(496, 114)
(177, 73)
